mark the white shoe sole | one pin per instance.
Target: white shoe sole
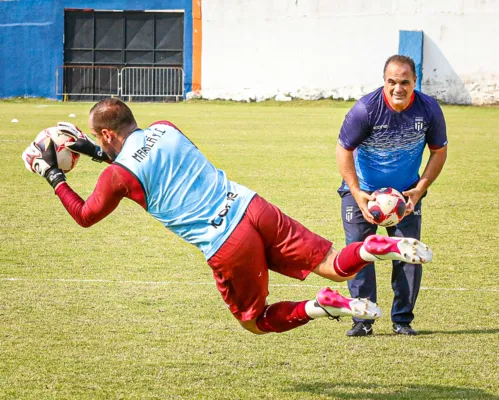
(359, 308)
(411, 251)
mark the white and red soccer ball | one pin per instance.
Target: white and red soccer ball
(389, 207)
(66, 159)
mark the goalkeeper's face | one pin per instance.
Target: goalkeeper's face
(111, 122)
(109, 142)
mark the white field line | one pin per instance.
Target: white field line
(159, 283)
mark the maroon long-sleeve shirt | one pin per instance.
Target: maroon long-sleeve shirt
(113, 185)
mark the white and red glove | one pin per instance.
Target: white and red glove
(41, 158)
(83, 144)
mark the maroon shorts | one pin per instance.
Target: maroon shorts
(264, 239)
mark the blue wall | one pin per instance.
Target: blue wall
(31, 40)
(411, 45)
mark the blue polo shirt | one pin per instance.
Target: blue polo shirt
(388, 144)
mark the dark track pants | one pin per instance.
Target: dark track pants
(406, 278)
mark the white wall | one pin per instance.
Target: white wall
(257, 49)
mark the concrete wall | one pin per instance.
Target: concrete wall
(259, 49)
(31, 40)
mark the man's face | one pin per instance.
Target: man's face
(106, 139)
(399, 85)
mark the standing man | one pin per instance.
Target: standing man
(241, 235)
(381, 144)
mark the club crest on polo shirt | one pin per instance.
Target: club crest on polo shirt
(418, 123)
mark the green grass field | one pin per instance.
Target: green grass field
(126, 310)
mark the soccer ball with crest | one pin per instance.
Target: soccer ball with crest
(66, 159)
(388, 209)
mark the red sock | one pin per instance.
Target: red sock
(348, 261)
(282, 317)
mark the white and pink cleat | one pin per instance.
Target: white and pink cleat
(391, 248)
(337, 305)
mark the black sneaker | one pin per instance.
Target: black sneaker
(360, 329)
(404, 329)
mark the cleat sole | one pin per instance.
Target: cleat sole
(402, 249)
(337, 305)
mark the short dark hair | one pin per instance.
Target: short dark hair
(112, 113)
(398, 59)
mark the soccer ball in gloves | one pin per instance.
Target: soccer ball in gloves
(66, 159)
(389, 207)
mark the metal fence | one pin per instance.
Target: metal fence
(82, 81)
(152, 82)
(141, 83)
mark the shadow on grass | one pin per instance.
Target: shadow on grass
(392, 392)
(484, 331)
(461, 332)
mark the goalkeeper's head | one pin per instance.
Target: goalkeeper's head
(111, 121)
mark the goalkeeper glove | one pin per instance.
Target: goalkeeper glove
(42, 159)
(83, 145)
